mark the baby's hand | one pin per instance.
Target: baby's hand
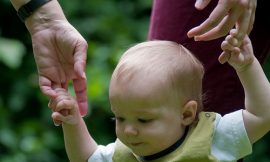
(65, 108)
(238, 57)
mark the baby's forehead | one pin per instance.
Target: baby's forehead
(141, 97)
(136, 109)
(143, 88)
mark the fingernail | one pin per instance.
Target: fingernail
(57, 125)
(84, 75)
(198, 3)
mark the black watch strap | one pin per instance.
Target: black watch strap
(27, 10)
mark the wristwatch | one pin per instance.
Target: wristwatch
(27, 10)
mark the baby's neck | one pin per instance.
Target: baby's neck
(167, 150)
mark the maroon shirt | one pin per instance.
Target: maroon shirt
(172, 19)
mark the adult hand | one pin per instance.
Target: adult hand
(60, 52)
(60, 55)
(226, 15)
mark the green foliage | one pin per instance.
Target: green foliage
(11, 52)
(27, 133)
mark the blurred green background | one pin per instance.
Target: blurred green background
(27, 133)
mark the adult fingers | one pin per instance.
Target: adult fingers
(80, 55)
(81, 94)
(80, 82)
(246, 21)
(252, 20)
(201, 4)
(46, 87)
(215, 18)
(222, 28)
(80, 85)
(243, 25)
(61, 91)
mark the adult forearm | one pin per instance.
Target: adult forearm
(78, 142)
(257, 90)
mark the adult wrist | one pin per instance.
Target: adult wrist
(29, 8)
(45, 17)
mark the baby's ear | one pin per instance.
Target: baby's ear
(189, 112)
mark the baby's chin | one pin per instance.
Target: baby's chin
(144, 151)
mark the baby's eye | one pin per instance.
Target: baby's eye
(145, 120)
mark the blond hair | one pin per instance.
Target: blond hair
(171, 64)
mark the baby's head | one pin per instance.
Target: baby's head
(155, 92)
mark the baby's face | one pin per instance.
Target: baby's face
(146, 126)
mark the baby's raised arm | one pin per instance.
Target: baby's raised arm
(256, 85)
(78, 142)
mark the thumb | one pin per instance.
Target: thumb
(201, 4)
(224, 57)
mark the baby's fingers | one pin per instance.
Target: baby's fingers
(54, 101)
(59, 118)
(56, 117)
(225, 46)
(224, 57)
(65, 104)
(232, 40)
(228, 46)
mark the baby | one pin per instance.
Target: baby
(156, 97)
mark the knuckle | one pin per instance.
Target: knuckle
(240, 36)
(244, 4)
(222, 30)
(211, 23)
(224, 45)
(84, 43)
